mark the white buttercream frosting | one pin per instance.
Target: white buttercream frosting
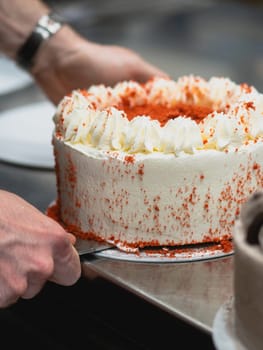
(90, 118)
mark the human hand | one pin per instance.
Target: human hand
(68, 61)
(33, 249)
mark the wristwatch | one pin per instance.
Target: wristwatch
(47, 26)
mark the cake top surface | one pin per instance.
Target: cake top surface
(163, 115)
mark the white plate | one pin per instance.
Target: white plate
(223, 331)
(189, 255)
(12, 78)
(25, 135)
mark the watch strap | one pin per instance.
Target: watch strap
(47, 26)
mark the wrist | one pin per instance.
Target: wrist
(54, 50)
(47, 26)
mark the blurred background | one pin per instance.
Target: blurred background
(203, 37)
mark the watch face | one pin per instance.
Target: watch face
(51, 23)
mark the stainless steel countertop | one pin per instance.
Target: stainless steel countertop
(182, 43)
(191, 291)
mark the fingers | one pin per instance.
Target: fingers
(64, 270)
(34, 287)
(7, 299)
(14, 288)
(144, 70)
(7, 295)
(72, 238)
(33, 250)
(150, 72)
(37, 276)
(68, 270)
(25, 272)
(51, 86)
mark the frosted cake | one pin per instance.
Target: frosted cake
(165, 163)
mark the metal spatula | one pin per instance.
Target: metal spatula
(87, 246)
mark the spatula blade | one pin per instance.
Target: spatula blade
(88, 246)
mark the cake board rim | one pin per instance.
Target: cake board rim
(197, 254)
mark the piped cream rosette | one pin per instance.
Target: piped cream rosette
(92, 117)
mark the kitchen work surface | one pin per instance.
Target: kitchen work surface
(191, 287)
(192, 291)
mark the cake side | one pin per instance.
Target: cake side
(155, 199)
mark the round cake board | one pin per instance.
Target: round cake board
(168, 255)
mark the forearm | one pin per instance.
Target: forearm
(17, 19)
